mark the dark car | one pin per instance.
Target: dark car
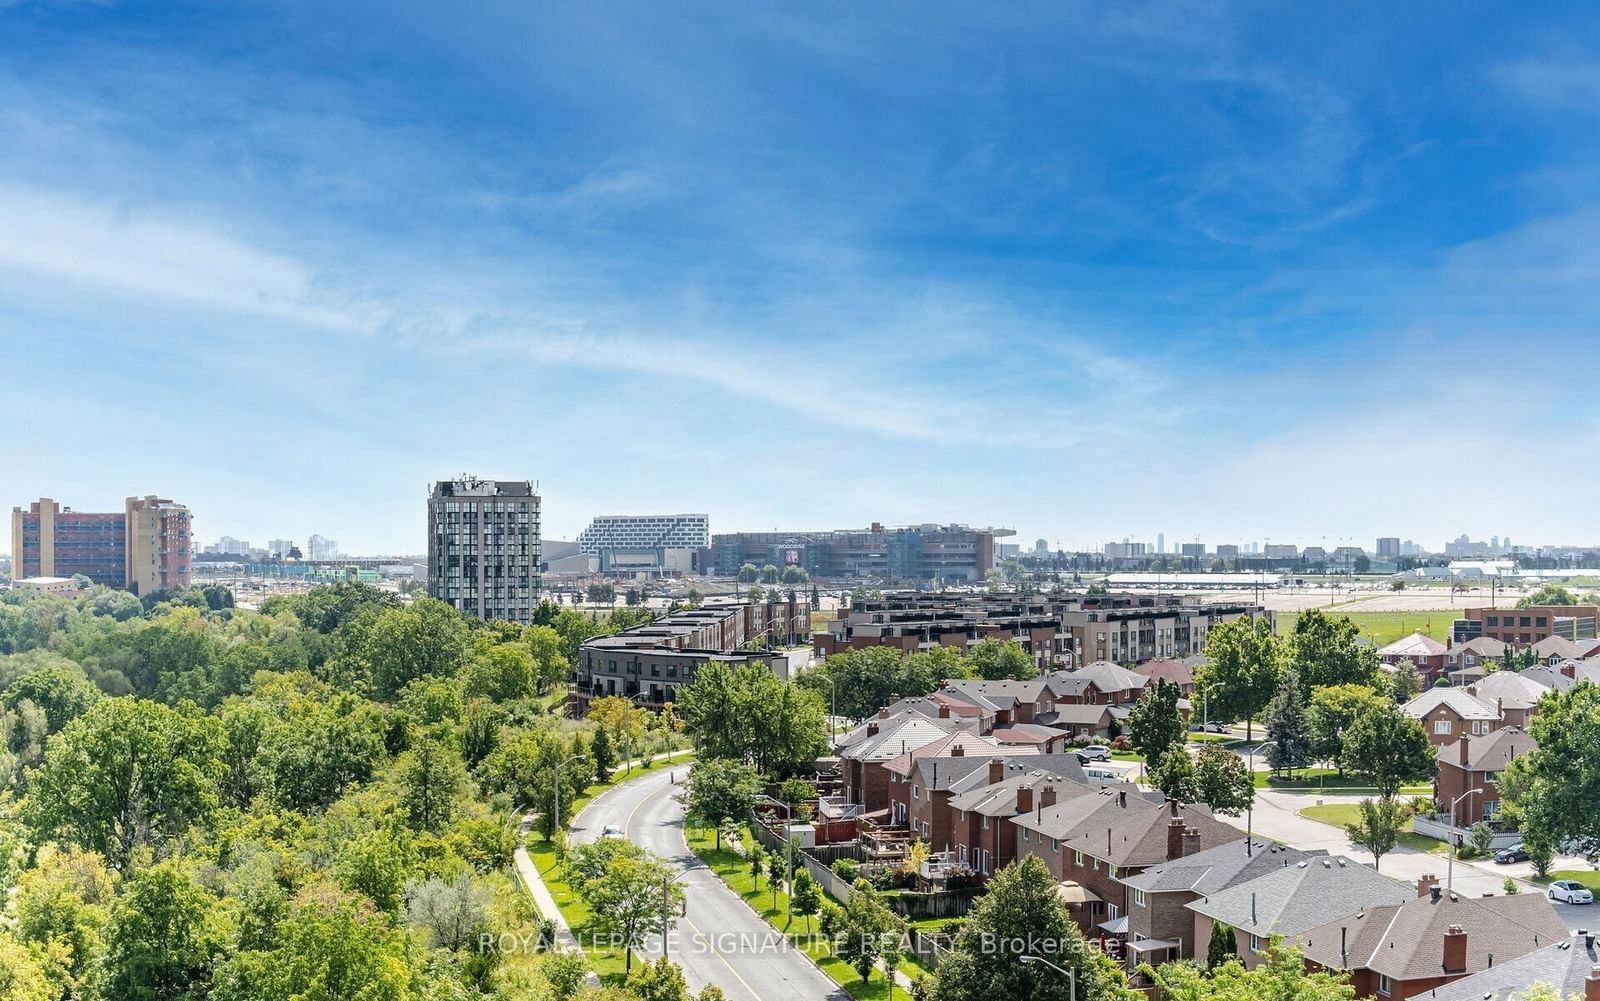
(1516, 853)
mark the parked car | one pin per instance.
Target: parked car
(1516, 853)
(611, 831)
(1102, 775)
(1570, 891)
(1094, 752)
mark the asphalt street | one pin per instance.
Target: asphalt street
(721, 940)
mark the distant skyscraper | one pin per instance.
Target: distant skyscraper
(1161, 542)
(318, 548)
(483, 547)
(1388, 547)
(280, 547)
(228, 545)
(1041, 547)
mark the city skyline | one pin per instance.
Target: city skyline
(1113, 267)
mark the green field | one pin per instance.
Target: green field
(1383, 628)
(1340, 814)
(1588, 877)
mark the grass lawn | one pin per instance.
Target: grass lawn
(1340, 814)
(1588, 877)
(1225, 739)
(1327, 780)
(1126, 756)
(1383, 628)
(733, 870)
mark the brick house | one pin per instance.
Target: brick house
(1159, 896)
(864, 751)
(1514, 696)
(1449, 713)
(981, 832)
(1293, 900)
(1424, 653)
(1476, 763)
(1093, 841)
(906, 786)
(1402, 950)
(1174, 672)
(1470, 660)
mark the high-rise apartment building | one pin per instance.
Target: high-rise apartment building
(483, 547)
(319, 548)
(646, 531)
(280, 547)
(158, 545)
(1388, 547)
(145, 547)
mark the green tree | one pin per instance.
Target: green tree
(1174, 774)
(1022, 905)
(454, 913)
(1327, 651)
(1223, 781)
(1244, 661)
(1333, 708)
(720, 790)
(659, 980)
(1550, 594)
(127, 774)
(22, 974)
(1224, 945)
(807, 896)
(549, 656)
(1280, 975)
(1378, 826)
(378, 864)
(1388, 749)
(758, 865)
(403, 644)
(1287, 731)
(749, 573)
(565, 972)
(603, 754)
(775, 866)
(1155, 724)
(162, 940)
(632, 900)
(433, 780)
(1405, 683)
(865, 923)
(328, 949)
(995, 660)
(502, 672)
(1551, 791)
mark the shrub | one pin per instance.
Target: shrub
(1121, 743)
(847, 869)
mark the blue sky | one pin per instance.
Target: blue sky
(1089, 270)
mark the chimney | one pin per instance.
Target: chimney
(1122, 798)
(1455, 950)
(872, 729)
(1426, 882)
(1024, 799)
(1047, 796)
(1464, 743)
(883, 713)
(1435, 891)
(996, 770)
(1175, 838)
(1191, 840)
(944, 711)
(1591, 985)
(958, 751)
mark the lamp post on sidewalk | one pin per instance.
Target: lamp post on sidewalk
(556, 825)
(1071, 975)
(1450, 872)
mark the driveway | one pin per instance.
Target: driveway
(721, 940)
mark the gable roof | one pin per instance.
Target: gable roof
(1107, 677)
(1560, 646)
(1296, 899)
(891, 742)
(1026, 733)
(1491, 752)
(1406, 941)
(1067, 766)
(1549, 678)
(1517, 691)
(1216, 869)
(950, 745)
(1563, 965)
(1175, 671)
(1486, 647)
(1415, 645)
(1123, 826)
(1458, 700)
(999, 799)
(1077, 713)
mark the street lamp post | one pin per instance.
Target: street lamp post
(1071, 975)
(557, 823)
(1450, 872)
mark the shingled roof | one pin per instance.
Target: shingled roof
(1464, 705)
(1296, 899)
(1489, 752)
(1563, 965)
(1406, 941)
(1215, 869)
(1121, 826)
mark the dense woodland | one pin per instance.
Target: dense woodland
(318, 799)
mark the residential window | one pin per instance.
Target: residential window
(1055, 844)
(1441, 727)
(1026, 836)
(986, 823)
(1255, 943)
(1383, 984)
(1138, 898)
(916, 792)
(1480, 727)
(1077, 858)
(962, 853)
(1111, 871)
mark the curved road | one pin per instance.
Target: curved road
(721, 940)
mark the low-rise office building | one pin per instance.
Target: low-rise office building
(909, 552)
(145, 548)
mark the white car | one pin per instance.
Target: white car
(1570, 891)
(611, 831)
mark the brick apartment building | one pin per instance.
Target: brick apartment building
(652, 662)
(146, 547)
(1522, 627)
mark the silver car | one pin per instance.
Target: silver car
(1570, 891)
